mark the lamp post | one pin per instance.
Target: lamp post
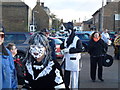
(33, 21)
(34, 16)
(102, 16)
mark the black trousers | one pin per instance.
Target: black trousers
(67, 79)
(94, 63)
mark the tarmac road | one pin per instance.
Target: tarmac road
(110, 74)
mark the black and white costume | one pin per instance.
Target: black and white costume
(38, 76)
(46, 73)
(72, 47)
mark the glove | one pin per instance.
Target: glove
(109, 42)
(66, 50)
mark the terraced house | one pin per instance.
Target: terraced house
(108, 16)
(18, 16)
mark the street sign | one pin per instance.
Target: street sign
(117, 16)
(32, 28)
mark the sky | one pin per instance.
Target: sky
(68, 10)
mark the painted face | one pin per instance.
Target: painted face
(37, 51)
(96, 35)
(69, 31)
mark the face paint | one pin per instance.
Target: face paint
(37, 51)
(69, 31)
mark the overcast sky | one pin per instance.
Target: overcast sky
(69, 10)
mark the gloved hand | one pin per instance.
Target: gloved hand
(109, 42)
(66, 50)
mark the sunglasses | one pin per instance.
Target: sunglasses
(2, 35)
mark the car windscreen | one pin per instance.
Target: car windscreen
(83, 36)
(15, 38)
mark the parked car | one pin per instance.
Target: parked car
(87, 32)
(61, 38)
(84, 37)
(112, 36)
(58, 50)
(20, 39)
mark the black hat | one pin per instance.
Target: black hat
(69, 26)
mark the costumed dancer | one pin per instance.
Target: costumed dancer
(72, 47)
(41, 70)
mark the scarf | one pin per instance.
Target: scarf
(70, 39)
(96, 39)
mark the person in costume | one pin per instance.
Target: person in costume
(41, 70)
(72, 48)
(117, 47)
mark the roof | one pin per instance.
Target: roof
(77, 24)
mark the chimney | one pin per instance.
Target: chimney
(61, 20)
(108, 1)
(42, 4)
(38, 2)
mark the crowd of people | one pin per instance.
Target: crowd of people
(40, 68)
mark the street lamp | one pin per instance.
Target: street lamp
(34, 16)
(33, 27)
(102, 16)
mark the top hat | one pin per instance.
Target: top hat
(69, 26)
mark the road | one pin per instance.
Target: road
(110, 74)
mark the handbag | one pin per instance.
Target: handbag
(107, 60)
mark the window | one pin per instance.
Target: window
(20, 38)
(83, 36)
(10, 38)
(15, 38)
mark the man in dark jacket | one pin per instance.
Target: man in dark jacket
(19, 65)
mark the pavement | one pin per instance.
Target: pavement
(110, 74)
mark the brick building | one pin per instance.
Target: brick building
(88, 25)
(16, 16)
(110, 11)
(41, 16)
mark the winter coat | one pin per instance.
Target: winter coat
(20, 69)
(72, 58)
(105, 37)
(117, 41)
(8, 75)
(96, 49)
(38, 76)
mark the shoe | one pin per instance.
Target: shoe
(102, 80)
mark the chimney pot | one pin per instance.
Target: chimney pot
(42, 4)
(108, 1)
(38, 2)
